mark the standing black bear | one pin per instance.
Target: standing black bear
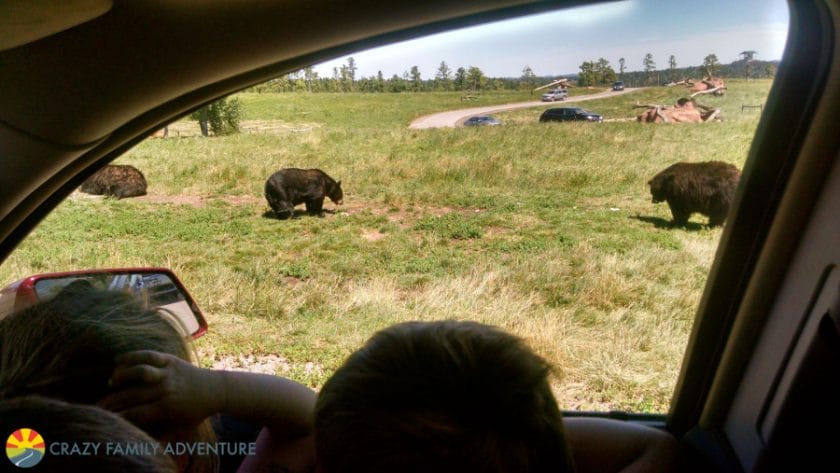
(289, 187)
(707, 188)
(116, 180)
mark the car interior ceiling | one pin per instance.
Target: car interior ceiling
(780, 241)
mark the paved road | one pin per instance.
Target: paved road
(454, 118)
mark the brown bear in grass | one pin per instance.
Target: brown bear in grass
(707, 188)
(116, 180)
(289, 187)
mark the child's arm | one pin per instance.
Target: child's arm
(162, 390)
(608, 445)
(281, 454)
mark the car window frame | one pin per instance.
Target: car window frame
(708, 379)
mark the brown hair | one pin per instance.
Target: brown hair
(58, 421)
(442, 397)
(65, 348)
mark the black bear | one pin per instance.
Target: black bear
(707, 188)
(289, 187)
(116, 180)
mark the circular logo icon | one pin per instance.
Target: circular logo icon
(25, 448)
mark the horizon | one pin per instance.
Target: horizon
(628, 29)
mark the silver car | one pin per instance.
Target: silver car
(482, 120)
(555, 95)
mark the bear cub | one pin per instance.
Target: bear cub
(707, 188)
(116, 180)
(289, 187)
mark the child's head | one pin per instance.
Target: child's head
(59, 423)
(65, 347)
(440, 397)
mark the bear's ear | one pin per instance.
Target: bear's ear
(338, 183)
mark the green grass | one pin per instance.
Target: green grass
(544, 229)
(362, 110)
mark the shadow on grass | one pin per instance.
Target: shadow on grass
(659, 222)
(298, 213)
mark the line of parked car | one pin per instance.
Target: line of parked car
(562, 114)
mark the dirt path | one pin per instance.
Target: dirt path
(260, 205)
(454, 118)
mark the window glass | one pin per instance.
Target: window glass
(545, 229)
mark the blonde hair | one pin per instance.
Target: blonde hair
(65, 348)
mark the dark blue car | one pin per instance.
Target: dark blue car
(482, 120)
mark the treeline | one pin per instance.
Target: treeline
(473, 80)
(343, 79)
(747, 67)
(601, 72)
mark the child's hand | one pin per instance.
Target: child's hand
(162, 392)
(158, 390)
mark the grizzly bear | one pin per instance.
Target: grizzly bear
(707, 188)
(289, 187)
(115, 180)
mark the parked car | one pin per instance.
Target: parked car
(569, 114)
(555, 95)
(757, 388)
(618, 85)
(482, 120)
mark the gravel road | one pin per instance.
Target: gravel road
(454, 118)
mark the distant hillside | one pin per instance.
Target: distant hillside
(758, 70)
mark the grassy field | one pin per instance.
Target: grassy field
(544, 229)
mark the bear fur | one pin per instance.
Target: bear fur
(707, 188)
(289, 187)
(116, 180)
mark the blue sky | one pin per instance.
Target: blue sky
(557, 43)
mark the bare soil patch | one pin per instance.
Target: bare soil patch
(402, 217)
(200, 201)
(266, 364)
(187, 128)
(372, 235)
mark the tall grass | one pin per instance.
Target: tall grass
(544, 229)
